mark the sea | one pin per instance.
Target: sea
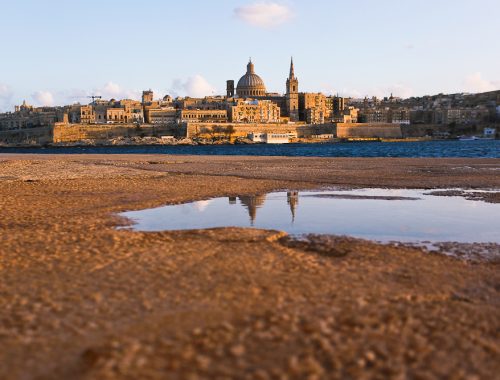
(444, 148)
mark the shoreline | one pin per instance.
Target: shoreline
(83, 300)
(189, 142)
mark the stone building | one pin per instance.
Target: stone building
(374, 115)
(162, 115)
(107, 112)
(230, 89)
(461, 115)
(312, 107)
(338, 107)
(203, 116)
(399, 115)
(27, 116)
(147, 97)
(254, 111)
(350, 115)
(394, 115)
(206, 103)
(82, 114)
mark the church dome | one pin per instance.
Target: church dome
(250, 84)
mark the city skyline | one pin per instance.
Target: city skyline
(131, 48)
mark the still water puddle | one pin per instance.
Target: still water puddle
(383, 215)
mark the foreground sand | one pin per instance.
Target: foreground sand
(82, 300)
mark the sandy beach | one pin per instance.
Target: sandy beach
(81, 299)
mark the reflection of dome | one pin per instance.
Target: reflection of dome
(252, 203)
(250, 84)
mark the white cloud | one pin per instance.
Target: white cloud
(43, 98)
(6, 95)
(113, 90)
(68, 96)
(195, 86)
(202, 205)
(108, 91)
(264, 14)
(476, 83)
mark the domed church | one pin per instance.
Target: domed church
(250, 84)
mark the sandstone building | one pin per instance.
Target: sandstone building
(254, 111)
(27, 116)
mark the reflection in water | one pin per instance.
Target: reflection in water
(292, 198)
(404, 215)
(254, 202)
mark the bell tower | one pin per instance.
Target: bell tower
(292, 94)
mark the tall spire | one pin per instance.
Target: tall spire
(292, 70)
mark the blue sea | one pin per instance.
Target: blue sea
(450, 148)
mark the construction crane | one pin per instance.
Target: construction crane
(94, 97)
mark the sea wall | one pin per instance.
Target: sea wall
(76, 132)
(368, 130)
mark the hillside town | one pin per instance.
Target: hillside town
(248, 112)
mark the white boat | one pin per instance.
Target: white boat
(469, 138)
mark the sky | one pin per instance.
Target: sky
(58, 52)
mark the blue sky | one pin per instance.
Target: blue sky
(56, 51)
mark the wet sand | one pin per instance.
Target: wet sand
(83, 300)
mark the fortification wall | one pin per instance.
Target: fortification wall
(77, 132)
(242, 130)
(40, 135)
(369, 130)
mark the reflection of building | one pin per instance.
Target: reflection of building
(252, 203)
(292, 198)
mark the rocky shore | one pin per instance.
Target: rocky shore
(134, 141)
(171, 141)
(81, 299)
